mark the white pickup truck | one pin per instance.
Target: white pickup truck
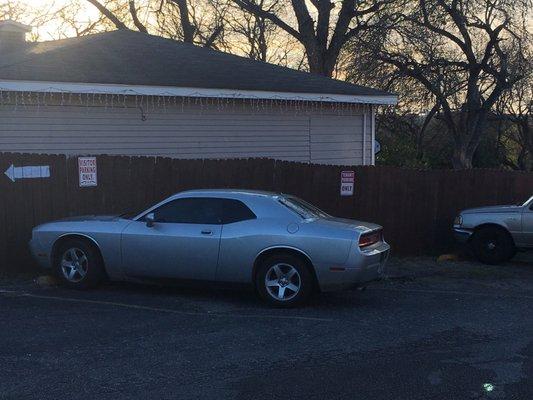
(495, 233)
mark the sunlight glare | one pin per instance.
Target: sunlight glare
(84, 13)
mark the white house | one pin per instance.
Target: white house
(129, 93)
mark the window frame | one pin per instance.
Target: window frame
(153, 209)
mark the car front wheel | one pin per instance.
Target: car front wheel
(492, 245)
(284, 281)
(78, 264)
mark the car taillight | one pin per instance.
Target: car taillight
(368, 239)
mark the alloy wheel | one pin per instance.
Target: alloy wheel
(283, 282)
(74, 265)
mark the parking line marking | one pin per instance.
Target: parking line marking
(454, 292)
(166, 310)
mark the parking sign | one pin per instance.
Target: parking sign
(347, 183)
(87, 171)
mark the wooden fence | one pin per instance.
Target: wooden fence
(416, 207)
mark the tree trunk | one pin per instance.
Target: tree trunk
(188, 28)
(524, 129)
(320, 62)
(461, 158)
(108, 14)
(470, 126)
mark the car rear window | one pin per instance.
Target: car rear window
(235, 211)
(302, 208)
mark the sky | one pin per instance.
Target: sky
(56, 28)
(49, 31)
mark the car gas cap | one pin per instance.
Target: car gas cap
(292, 227)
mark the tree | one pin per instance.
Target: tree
(176, 19)
(26, 14)
(69, 21)
(322, 32)
(104, 10)
(255, 31)
(258, 38)
(515, 133)
(463, 52)
(409, 131)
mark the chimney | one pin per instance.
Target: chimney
(12, 36)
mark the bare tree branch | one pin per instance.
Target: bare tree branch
(105, 11)
(255, 9)
(189, 29)
(464, 52)
(314, 27)
(133, 11)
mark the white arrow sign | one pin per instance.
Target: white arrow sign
(40, 171)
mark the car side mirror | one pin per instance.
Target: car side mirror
(150, 219)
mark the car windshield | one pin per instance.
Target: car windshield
(303, 208)
(528, 201)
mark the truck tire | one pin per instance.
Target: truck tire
(492, 245)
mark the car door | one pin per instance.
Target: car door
(183, 242)
(239, 242)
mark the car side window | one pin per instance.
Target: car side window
(188, 211)
(202, 210)
(235, 211)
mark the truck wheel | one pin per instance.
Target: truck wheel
(492, 245)
(78, 264)
(284, 281)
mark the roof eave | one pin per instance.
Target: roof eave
(170, 91)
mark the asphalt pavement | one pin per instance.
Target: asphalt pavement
(453, 330)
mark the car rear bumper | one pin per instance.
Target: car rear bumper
(368, 267)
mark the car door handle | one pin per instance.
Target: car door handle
(207, 232)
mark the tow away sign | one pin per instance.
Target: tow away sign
(87, 171)
(347, 183)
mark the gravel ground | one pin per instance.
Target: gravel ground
(432, 330)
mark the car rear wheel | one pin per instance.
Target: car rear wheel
(284, 281)
(78, 264)
(493, 245)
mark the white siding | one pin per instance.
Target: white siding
(190, 133)
(339, 140)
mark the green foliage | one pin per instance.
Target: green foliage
(402, 146)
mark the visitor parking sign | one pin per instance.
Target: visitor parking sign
(87, 171)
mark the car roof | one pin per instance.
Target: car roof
(249, 192)
(259, 198)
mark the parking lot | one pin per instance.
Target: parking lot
(449, 330)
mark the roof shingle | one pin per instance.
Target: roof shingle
(134, 58)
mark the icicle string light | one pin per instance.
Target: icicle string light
(194, 103)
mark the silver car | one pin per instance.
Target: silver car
(496, 233)
(282, 245)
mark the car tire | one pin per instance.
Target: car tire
(78, 264)
(492, 245)
(284, 281)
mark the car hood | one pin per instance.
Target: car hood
(494, 209)
(352, 224)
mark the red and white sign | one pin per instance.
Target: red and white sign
(347, 183)
(88, 171)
